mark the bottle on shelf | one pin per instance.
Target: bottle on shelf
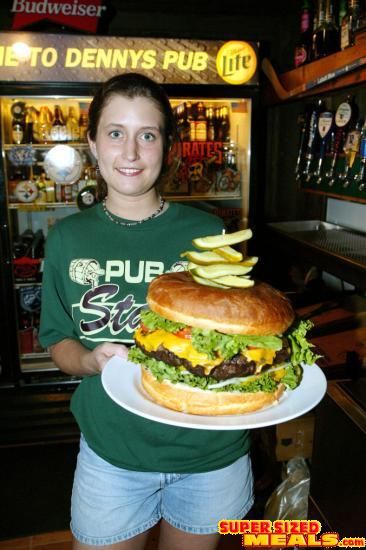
(343, 24)
(191, 117)
(210, 124)
(303, 47)
(350, 23)
(31, 118)
(217, 121)
(42, 190)
(325, 37)
(83, 126)
(185, 122)
(58, 128)
(201, 123)
(49, 187)
(87, 195)
(225, 124)
(42, 126)
(223, 127)
(17, 132)
(72, 125)
(68, 192)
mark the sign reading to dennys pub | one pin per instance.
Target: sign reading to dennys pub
(37, 57)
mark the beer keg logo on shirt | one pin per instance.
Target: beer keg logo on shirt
(108, 308)
(236, 62)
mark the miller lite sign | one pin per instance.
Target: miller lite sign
(83, 14)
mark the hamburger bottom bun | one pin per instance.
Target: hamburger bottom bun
(196, 401)
(260, 309)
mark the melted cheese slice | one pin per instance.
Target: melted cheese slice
(182, 347)
(261, 357)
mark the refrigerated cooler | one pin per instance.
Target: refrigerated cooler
(45, 94)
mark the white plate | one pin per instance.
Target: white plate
(121, 381)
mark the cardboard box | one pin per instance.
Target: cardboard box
(295, 438)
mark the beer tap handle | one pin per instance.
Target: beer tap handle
(337, 146)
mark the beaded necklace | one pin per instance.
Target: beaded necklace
(138, 222)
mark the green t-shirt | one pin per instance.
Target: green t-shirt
(94, 285)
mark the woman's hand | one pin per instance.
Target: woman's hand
(101, 355)
(72, 357)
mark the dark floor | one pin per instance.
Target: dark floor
(36, 485)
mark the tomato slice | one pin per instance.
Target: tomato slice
(185, 332)
(144, 328)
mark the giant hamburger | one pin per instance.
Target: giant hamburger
(213, 351)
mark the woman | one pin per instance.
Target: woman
(132, 472)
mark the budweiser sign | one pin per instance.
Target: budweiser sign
(81, 15)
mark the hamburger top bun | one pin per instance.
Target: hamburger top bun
(258, 310)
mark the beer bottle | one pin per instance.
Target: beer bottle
(192, 121)
(325, 39)
(83, 126)
(224, 132)
(42, 126)
(58, 129)
(303, 47)
(31, 118)
(217, 121)
(185, 125)
(201, 123)
(72, 126)
(87, 195)
(210, 124)
(17, 132)
(350, 23)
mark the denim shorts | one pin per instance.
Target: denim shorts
(110, 504)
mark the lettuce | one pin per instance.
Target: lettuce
(301, 351)
(215, 343)
(162, 371)
(212, 342)
(153, 321)
(264, 382)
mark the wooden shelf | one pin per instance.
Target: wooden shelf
(336, 71)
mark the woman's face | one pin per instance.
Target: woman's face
(129, 145)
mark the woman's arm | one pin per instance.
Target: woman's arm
(72, 357)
